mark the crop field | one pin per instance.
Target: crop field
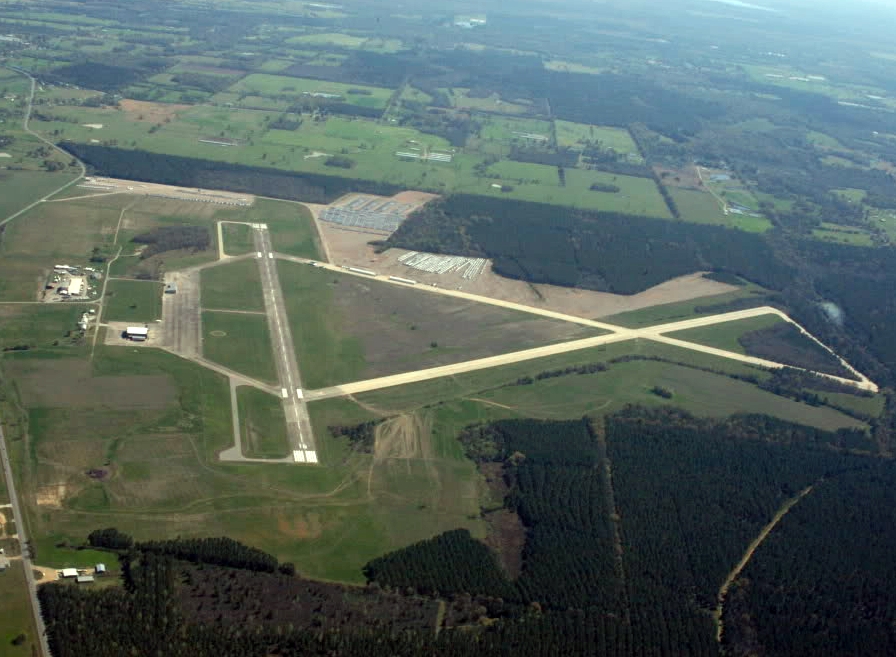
(232, 286)
(132, 301)
(240, 342)
(577, 135)
(363, 329)
(701, 208)
(15, 610)
(261, 84)
(262, 424)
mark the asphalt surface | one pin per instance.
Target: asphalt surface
(181, 314)
(23, 542)
(298, 422)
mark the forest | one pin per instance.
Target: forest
(603, 251)
(195, 172)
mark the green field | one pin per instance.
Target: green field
(50, 328)
(132, 301)
(240, 342)
(291, 226)
(578, 135)
(329, 39)
(20, 188)
(262, 84)
(262, 424)
(15, 610)
(237, 239)
(725, 336)
(702, 208)
(500, 128)
(829, 232)
(232, 286)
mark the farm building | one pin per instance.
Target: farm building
(84, 579)
(69, 572)
(171, 288)
(136, 333)
(4, 563)
(76, 285)
(100, 569)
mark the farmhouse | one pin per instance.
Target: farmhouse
(136, 333)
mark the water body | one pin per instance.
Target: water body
(744, 5)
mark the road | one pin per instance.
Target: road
(26, 128)
(298, 422)
(23, 542)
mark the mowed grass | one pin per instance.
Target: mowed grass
(725, 336)
(232, 286)
(15, 612)
(262, 424)
(702, 208)
(238, 239)
(239, 342)
(263, 84)
(132, 301)
(291, 226)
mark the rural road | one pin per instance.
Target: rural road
(23, 542)
(26, 128)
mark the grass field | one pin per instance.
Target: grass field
(132, 301)
(240, 342)
(15, 610)
(829, 232)
(19, 188)
(232, 286)
(702, 208)
(262, 84)
(50, 328)
(262, 424)
(577, 135)
(237, 239)
(362, 329)
(501, 128)
(725, 336)
(291, 226)
(329, 39)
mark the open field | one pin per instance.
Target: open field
(725, 336)
(232, 286)
(702, 208)
(843, 234)
(261, 84)
(578, 135)
(163, 478)
(237, 239)
(291, 226)
(240, 342)
(263, 424)
(132, 301)
(15, 610)
(19, 188)
(47, 327)
(363, 329)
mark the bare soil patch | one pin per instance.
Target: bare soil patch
(417, 198)
(302, 528)
(345, 247)
(685, 177)
(71, 384)
(147, 112)
(405, 436)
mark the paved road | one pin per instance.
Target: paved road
(27, 119)
(297, 420)
(23, 542)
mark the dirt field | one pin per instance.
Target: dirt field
(140, 110)
(686, 177)
(71, 384)
(346, 247)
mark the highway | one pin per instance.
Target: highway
(23, 543)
